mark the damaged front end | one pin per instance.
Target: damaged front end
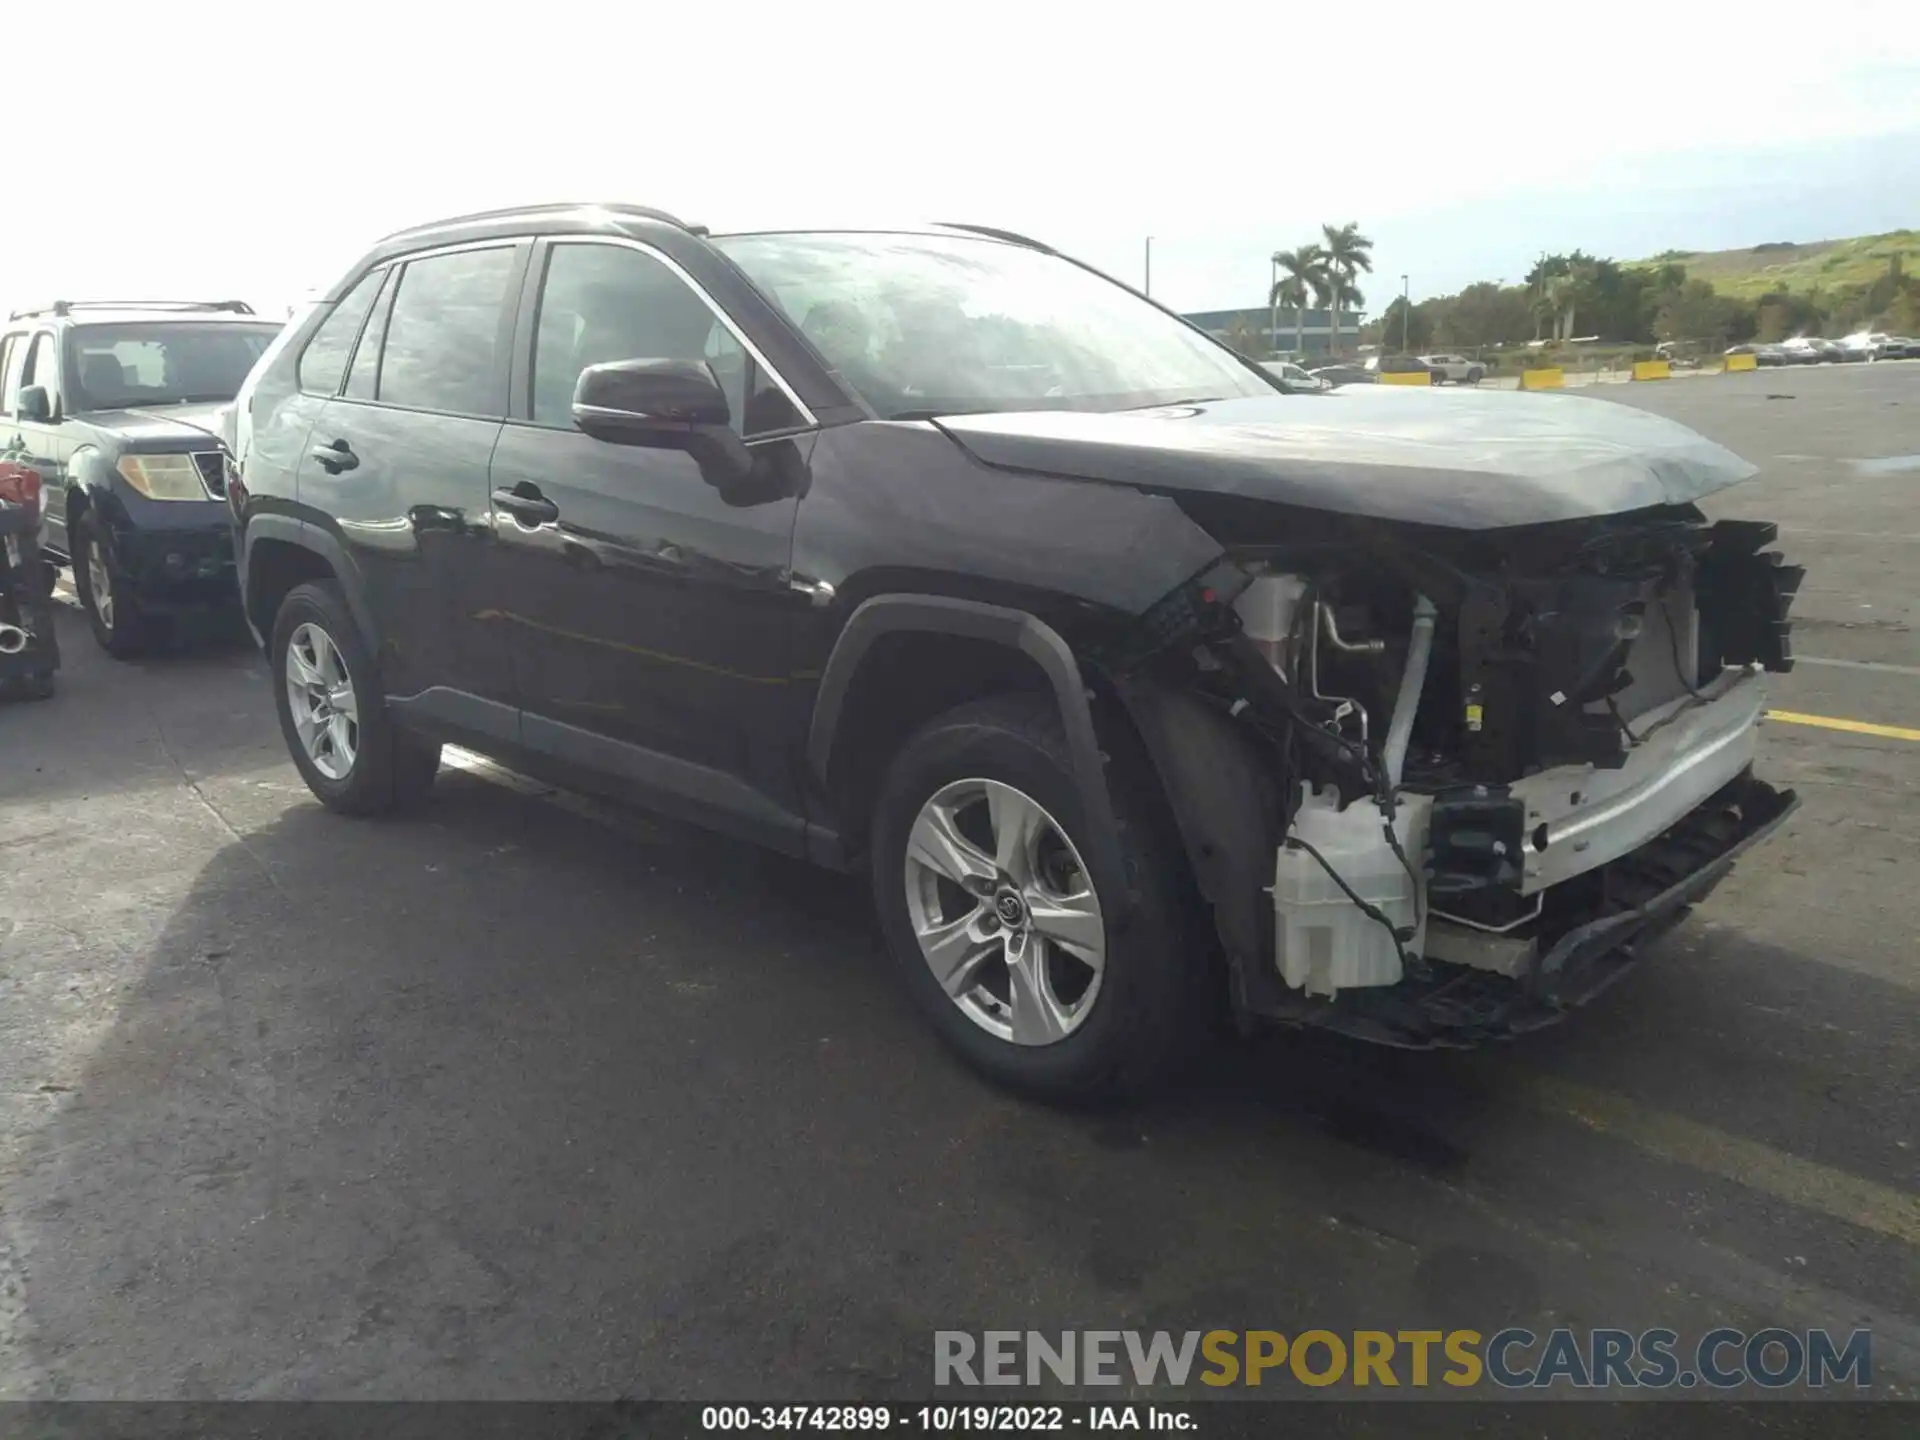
(1440, 786)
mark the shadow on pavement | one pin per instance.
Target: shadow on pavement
(494, 1102)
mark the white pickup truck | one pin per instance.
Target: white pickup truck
(1455, 368)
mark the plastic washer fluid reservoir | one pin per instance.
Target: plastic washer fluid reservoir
(1324, 943)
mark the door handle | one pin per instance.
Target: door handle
(526, 504)
(335, 457)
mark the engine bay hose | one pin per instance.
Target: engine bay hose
(1412, 680)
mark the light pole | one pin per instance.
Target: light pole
(1406, 315)
(1148, 288)
(1273, 303)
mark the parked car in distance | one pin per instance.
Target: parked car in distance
(1762, 354)
(1869, 345)
(1352, 374)
(1458, 368)
(117, 405)
(1901, 347)
(1400, 365)
(935, 554)
(1807, 350)
(1294, 380)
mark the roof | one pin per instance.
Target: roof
(618, 214)
(81, 312)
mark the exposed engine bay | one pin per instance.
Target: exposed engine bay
(1482, 767)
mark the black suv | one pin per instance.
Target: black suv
(1136, 685)
(116, 405)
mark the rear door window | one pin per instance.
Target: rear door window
(443, 335)
(13, 360)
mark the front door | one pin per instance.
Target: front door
(395, 466)
(650, 613)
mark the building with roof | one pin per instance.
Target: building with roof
(1315, 332)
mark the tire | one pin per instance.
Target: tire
(1125, 1031)
(121, 626)
(1475, 376)
(365, 765)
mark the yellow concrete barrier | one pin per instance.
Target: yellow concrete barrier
(1542, 379)
(1742, 362)
(1417, 377)
(1652, 369)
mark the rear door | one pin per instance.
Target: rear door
(395, 467)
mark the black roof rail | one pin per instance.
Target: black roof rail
(67, 307)
(1012, 237)
(555, 207)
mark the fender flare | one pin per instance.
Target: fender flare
(291, 530)
(1016, 629)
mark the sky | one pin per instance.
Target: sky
(231, 150)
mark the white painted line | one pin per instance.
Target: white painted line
(1878, 665)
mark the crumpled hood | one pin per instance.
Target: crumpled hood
(1467, 460)
(156, 426)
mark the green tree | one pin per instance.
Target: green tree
(1349, 254)
(1305, 271)
(1406, 329)
(1482, 314)
(1696, 312)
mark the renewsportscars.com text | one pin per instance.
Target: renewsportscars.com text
(1511, 1358)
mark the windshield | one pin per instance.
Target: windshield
(161, 363)
(924, 325)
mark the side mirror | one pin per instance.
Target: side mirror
(35, 406)
(648, 402)
(664, 405)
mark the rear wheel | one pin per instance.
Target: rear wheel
(121, 625)
(336, 724)
(1008, 936)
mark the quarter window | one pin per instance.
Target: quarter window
(363, 379)
(601, 303)
(324, 360)
(444, 331)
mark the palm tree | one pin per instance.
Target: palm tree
(1348, 253)
(1304, 268)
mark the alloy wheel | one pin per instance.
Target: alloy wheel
(326, 713)
(100, 583)
(1005, 912)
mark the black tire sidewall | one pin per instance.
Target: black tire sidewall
(128, 636)
(368, 786)
(1120, 1046)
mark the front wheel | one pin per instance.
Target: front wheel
(1009, 938)
(342, 738)
(1474, 376)
(120, 624)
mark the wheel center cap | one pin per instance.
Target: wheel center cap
(1011, 909)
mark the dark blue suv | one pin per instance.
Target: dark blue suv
(115, 405)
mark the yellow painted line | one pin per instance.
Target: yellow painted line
(1855, 727)
(1807, 1184)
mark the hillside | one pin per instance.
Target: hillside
(1818, 264)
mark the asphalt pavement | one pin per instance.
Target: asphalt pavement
(522, 1097)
